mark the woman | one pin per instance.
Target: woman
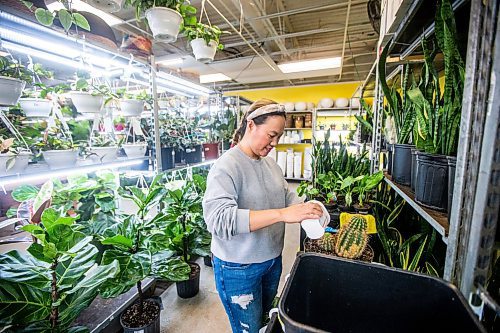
(246, 206)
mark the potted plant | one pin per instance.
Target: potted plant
(191, 141)
(346, 188)
(228, 127)
(171, 127)
(102, 148)
(87, 97)
(60, 275)
(140, 245)
(165, 17)
(186, 231)
(13, 78)
(57, 148)
(67, 16)
(132, 105)
(366, 121)
(205, 40)
(213, 139)
(38, 103)
(363, 188)
(135, 149)
(13, 158)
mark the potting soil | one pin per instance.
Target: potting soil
(132, 317)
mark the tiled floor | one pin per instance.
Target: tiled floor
(204, 313)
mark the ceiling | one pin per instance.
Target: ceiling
(265, 33)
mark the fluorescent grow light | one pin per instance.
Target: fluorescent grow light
(310, 65)
(207, 78)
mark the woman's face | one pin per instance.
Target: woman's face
(265, 136)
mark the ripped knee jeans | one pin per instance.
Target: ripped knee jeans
(247, 291)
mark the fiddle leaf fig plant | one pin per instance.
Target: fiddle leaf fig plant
(45, 289)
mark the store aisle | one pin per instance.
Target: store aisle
(204, 313)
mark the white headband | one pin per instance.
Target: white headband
(265, 110)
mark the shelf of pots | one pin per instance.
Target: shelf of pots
(204, 40)
(164, 17)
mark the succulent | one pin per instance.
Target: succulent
(352, 238)
(327, 242)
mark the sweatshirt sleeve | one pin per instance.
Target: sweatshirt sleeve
(220, 206)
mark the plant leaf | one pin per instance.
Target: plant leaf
(24, 192)
(65, 19)
(81, 21)
(44, 16)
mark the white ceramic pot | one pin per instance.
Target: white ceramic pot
(203, 52)
(85, 102)
(341, 103)
(326, 103)
(103, 154)
(300, 106)
(164, 23)
(10, 90)
(289, 106)
(131, 107)
(58, 159)
(110, 6)
(36, 107)
(20, 163)
(310, 105)
(355, 103)
(135, 150)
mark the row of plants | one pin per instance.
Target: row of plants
(84, 246)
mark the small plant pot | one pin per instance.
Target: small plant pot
(131, 107)
(207, 261)
(164, 23)
(103, 154)
(167, 158)
(36, 107)
(365, 209)
(193, 154)
(190, 287)
(153, 327)
(452, 164)
(202, 52)
(10, 90)
(401, 167)
(211, 151)
(110, 6)
(431, 188)
(135, 150)
(21, 161)
(179, 156)
(85, 102)
(58, 159)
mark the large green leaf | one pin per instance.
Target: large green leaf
(81, 21)
(133, 268)
(71, 270)
(168, 268)
(65, 19)
(24, 192)
(119, 241)
(43, 195)
(22, 268)
(44, 16)
(64, 237)
(21, 303)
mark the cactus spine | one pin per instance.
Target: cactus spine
(352, 238)
(327, 242)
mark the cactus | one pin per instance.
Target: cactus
(327, 242)
(352, 238)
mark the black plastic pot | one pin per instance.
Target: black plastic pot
(191, 287)
(193, 154)
(401, 164)
(394, 301)
(179, 156)
(207, 261)
(452, 164)
(431, 188)
(390, 149)
(366, 209)
(414, 168)
(153, 327)
(167, 158)
(226, 145)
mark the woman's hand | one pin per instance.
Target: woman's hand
(300, 212)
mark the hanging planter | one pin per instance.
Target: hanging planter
(135, 150)
(21, 161)
(131, 107)
(103, 154)
(10, 90)
(36, 107)
(203, 52)
(431, 188)
(86, 102)
(164, 23)
(58, 159)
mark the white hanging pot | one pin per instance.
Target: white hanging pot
(103, 154)
(85, 102)
(164, 23)
(21, 161)
(36, 107)
(203, 52)
(57, 159)
(131, 107)
(10, 90)
(135, 150)
(109, 6)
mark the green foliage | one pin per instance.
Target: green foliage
(366, 122)
(205, 31)
(66, 16)
(366, 184)
(352, 238)
(48, 287)
(184, 8)
(13, 69)
(44, 91)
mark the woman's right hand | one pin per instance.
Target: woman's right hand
(300, 212)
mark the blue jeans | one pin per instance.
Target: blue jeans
(247, 291)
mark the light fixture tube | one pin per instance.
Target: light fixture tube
(310, 65)
(187, 84)
(208, 78)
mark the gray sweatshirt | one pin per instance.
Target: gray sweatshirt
(237, 184)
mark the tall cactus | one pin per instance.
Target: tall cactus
(352, 238)
(327, 242)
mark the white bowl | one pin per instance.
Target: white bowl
(341, 103)
(289, 106)
(300, 106)
(135, 150)
(20, 163)
(326, 102)
(36, 107)
(10, 90)
(57, 159)
(103, 154)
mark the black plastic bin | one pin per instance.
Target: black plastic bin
(329, 294)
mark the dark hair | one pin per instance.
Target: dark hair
(240, 132)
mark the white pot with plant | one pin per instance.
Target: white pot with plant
(132, 104)
(204, 40)
(13, 160)
(164, 16)
(37, 103)
(135, 150)
(86, 96)
(59, 153)
(13, 77)
(103, 149)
